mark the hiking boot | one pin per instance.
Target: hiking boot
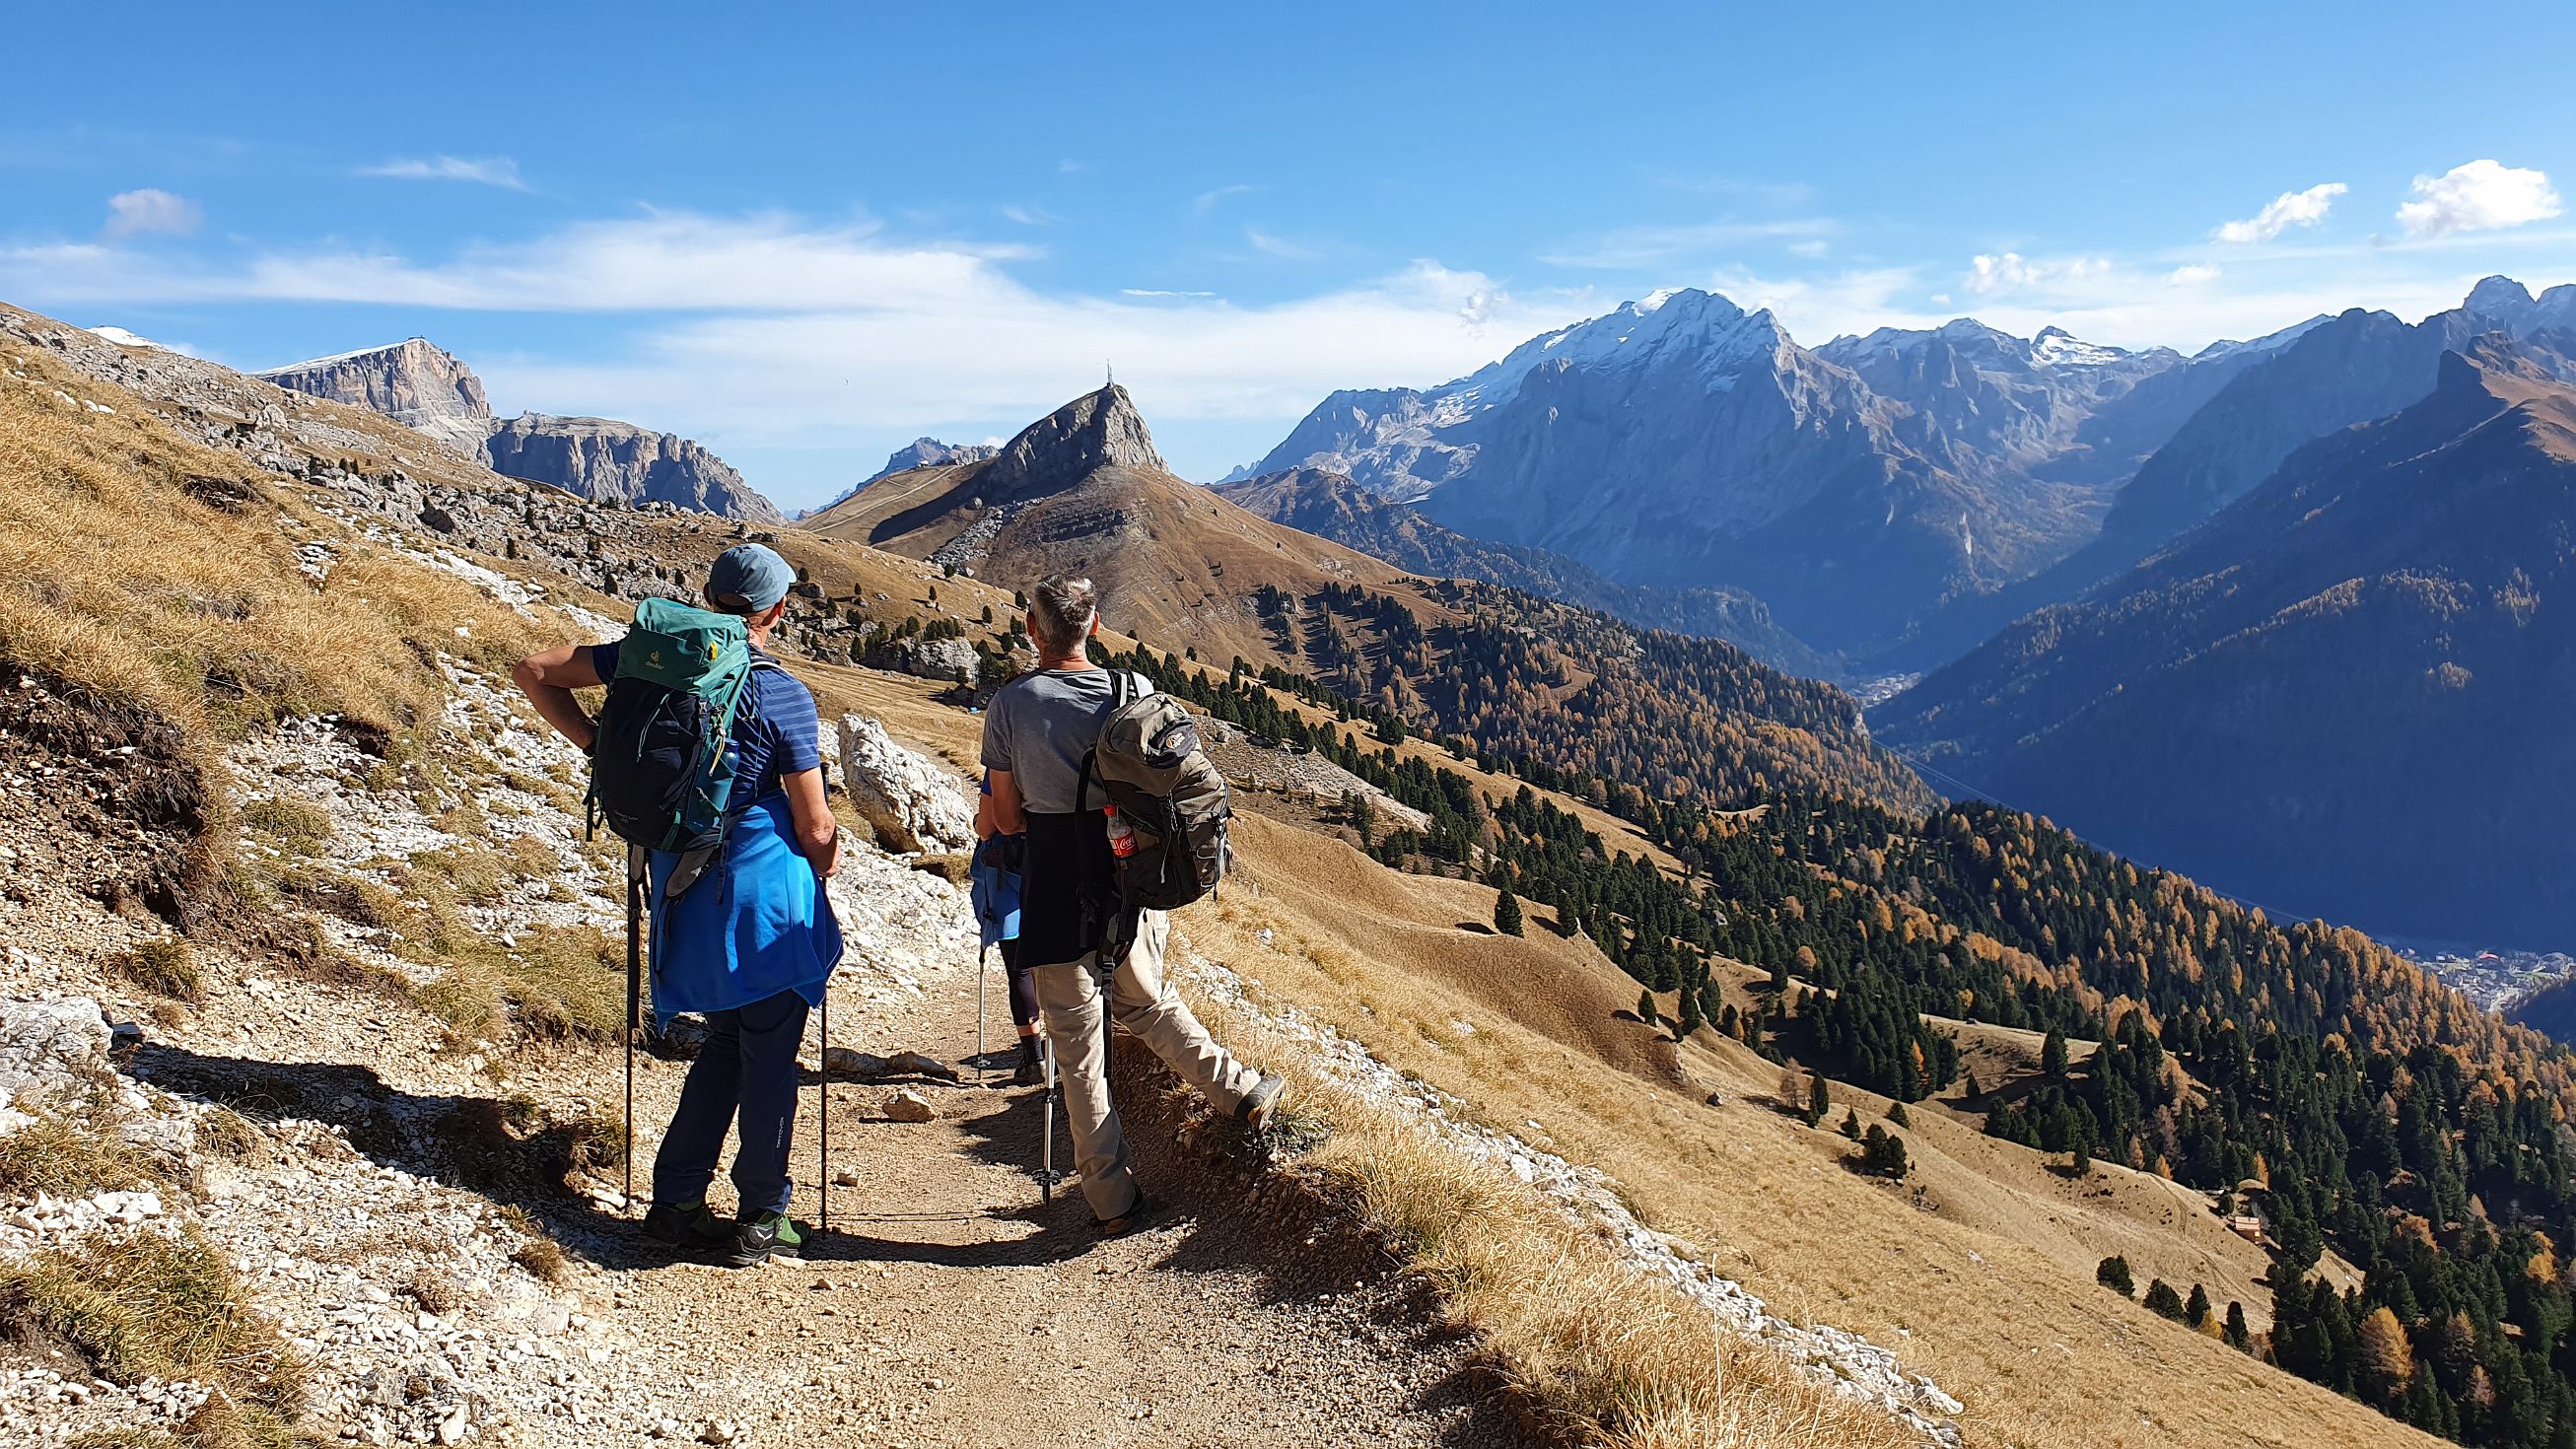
(1029, 1074)
(1128, 1221)
(1262, 1103)
(686, 1225)
(767, 1236)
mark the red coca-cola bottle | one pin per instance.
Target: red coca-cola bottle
(1122, 836)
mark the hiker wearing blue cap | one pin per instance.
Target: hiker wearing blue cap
(700, 716)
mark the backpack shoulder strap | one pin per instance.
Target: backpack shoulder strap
(1118, 685)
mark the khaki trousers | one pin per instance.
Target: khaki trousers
(1151, 1011)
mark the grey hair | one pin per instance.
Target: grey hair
(1060, 612)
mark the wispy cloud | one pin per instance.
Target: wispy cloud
(134, 213)
(1275, 246)
(1030, 215)
(775, 331)
(498, 171)
(1068, 166)
(2194, 274)
(1158, 292)
(1628, 247)
(1206, 201)
(2289, 209)
(2002, 272)
(2478, 196)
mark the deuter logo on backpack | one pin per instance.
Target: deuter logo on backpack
(660, 776)
(1168, 807)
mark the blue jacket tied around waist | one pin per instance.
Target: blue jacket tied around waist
(754, 926)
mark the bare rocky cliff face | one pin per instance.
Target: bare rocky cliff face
(412, 382)
(1095, 431)
(612, 462)
(426, 389)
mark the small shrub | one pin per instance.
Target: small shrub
(68, 1159)
(299, 824)
(433, 1291)
(1851, 1124)
(164, 966)
(226, 1133)
(544, 1259)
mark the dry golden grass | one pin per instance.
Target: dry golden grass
(164, 965)
(1609, 1356)
(153, 1305)
(65, 1157)
(117, 573)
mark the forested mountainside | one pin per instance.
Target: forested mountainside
(2339, 696)
(2302, 1073)
(1334, 506)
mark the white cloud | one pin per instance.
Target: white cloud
(1206, 201)
(1855, 300)
(2289, 209)
(2478, 196)
(2192, 275)
(1274, 246)
(134, 213)
(1627, 247)
(1030, 215)
(1158, 292)
(498, 171)
(2005, 272)
(1812, 247)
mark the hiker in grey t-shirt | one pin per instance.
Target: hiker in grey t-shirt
(1036, 731)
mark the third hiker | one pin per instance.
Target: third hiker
(1037, 731)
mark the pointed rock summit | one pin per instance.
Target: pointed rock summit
(413, 382)
(1095, 431)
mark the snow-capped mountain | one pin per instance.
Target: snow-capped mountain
(1680, 440)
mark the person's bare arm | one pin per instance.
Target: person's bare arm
(548, 680)
(818, 835)
(985, 829)
(1007, 816)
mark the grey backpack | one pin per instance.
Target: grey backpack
(1149, 765)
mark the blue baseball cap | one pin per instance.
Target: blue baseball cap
(749, 576)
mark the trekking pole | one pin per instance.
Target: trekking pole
(823, 1118)
(983, 1068)
(1046, 1149)
(635, 876)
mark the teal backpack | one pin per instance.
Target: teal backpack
(660, 776)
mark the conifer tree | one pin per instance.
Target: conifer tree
(2052, 1054)
(2114, 1273)
(1646, 1007)
(1820, 1098)
(2238, 1336)
(1507, 914)
(2163, 1301)
(1851, 1125)
(2195, 1310)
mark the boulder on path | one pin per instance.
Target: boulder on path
(909, 1106)
(49, 1049)
(913, 803)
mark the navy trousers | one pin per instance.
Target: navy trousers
(747, 1070)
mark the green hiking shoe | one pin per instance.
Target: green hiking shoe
(767, 1236)
(686, 1225)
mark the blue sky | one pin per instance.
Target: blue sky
(805, 235)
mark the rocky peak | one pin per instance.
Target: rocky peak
(1095, 431)
(928, 452)
(613, 462)
(416, 384)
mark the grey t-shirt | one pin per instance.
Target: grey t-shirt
(1038, 727)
